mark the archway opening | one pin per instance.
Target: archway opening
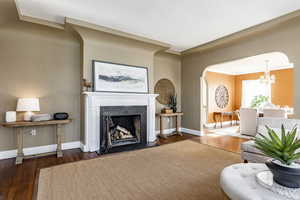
(228, 86)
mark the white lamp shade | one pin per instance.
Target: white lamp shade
(28, 104)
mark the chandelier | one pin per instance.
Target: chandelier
(267, 78)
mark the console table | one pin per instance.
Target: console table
(221, 116)
(19, 126)
(162, 115)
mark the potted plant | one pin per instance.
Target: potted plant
(283, 151)
(173, 103)
(258, 101)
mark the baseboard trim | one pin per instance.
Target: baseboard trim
(8, 154)
(83, 147)
(184, 130)
(192, 131)
(212, 125)
(39, 149)
(167, 131)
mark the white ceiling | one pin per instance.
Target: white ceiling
(253, 64)
(182, 23)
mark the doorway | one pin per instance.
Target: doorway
(242, 81)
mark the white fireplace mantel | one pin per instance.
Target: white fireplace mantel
(94, 100)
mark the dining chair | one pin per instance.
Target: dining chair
(276, 113)
(248, 121)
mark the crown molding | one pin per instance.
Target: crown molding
(242, 34)
(115, 32)
(173, 52)
(41, 22)
(91, 26)
(36, 20)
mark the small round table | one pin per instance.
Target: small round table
(238, 182)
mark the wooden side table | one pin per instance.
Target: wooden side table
(19, 126)
(162, 115)
(221, 117)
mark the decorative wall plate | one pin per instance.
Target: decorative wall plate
(222, 96)
(165, 88)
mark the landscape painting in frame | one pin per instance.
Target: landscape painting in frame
(112, 77)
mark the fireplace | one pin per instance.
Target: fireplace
(94, 102)
(122, 128)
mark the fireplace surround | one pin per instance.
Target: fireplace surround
(95, 101)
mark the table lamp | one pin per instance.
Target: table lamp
(28, 105)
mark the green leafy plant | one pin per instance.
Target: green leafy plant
(259, 100)
(281, 148)
(173, 102)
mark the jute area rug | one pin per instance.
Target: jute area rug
(184, 170)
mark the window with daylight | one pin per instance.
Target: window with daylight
(252, 88)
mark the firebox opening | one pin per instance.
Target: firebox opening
(123, 130)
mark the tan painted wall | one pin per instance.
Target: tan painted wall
(102, 46)
(106, 47)
(213, 81)
(282, 89)
(36, 61)
(168, 66)
(284, 38)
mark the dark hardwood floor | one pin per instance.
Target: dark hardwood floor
(18, 182)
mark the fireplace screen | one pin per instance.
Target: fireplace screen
(122, 128)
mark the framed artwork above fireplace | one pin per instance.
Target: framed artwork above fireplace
(114, 77)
